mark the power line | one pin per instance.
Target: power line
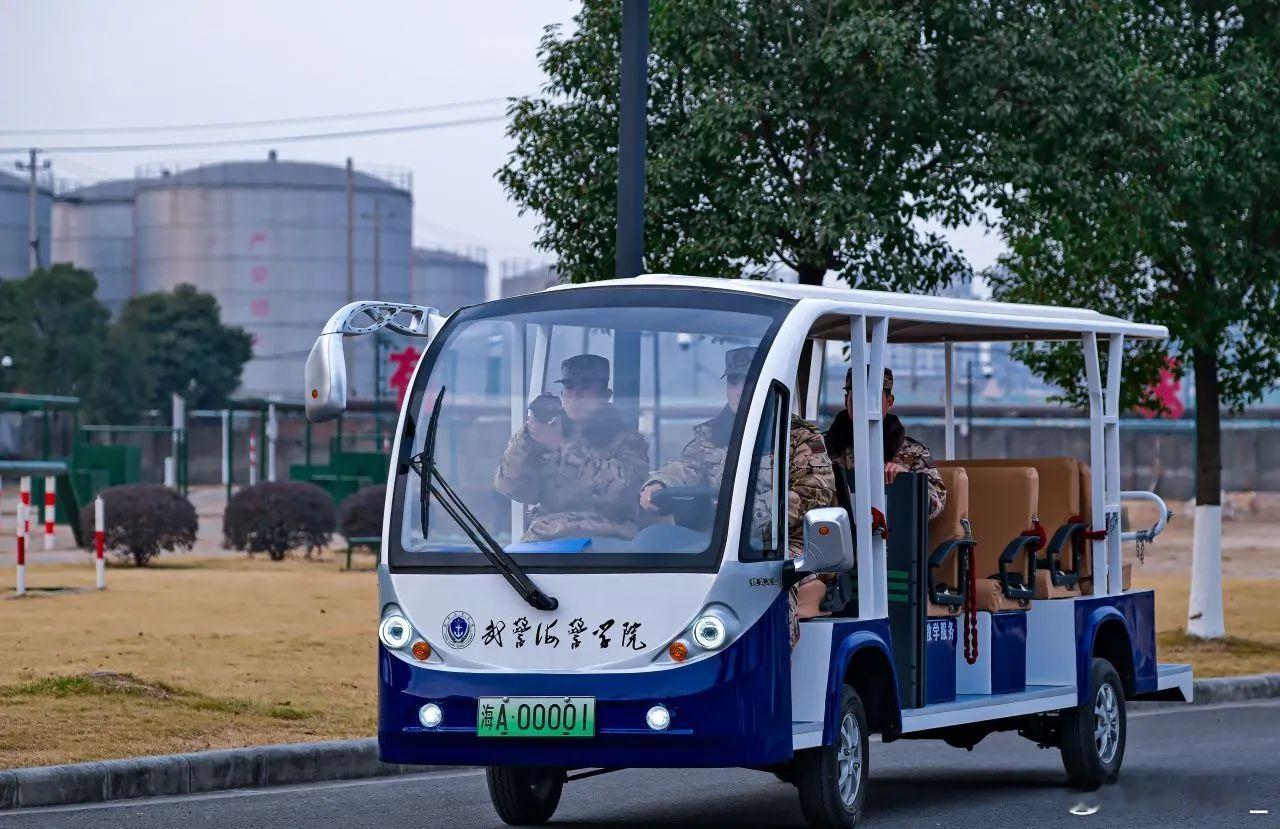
(278, 139)
(271, 122)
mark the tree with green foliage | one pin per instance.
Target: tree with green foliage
(53, 327)
(1139, 149)
(817, 135)
(180, 337)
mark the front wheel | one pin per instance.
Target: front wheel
(524, 795)
(1093, 733)
(833, 779)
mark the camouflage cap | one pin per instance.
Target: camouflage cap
(888, 380)
(737, 361)
(585, 368)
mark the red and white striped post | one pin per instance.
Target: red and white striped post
(20, 516)
(25, 495)
(50, 507)
(99, 540)
(253, 459)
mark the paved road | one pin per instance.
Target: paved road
(1184, 766)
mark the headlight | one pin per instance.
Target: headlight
(430, 715)
(395, 631)
(708, 632)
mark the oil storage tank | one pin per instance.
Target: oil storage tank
(93, 229)
(449, 280)
(14, 229)
(269, 240)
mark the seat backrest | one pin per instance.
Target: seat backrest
(946, 525)
(1066, 491)
(1002, 506)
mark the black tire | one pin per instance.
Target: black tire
(818, 773)
(1093, 733)
(524, 795)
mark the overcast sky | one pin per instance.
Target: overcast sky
(91, 63)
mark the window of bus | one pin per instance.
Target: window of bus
(583, 436)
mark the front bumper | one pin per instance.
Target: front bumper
(732, 709)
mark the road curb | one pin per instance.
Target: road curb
(293, 763)
(201, 771)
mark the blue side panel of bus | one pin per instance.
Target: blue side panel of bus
(732, 709)
(1008, 652)
(940, 638)
(847, 639)
(1136, 611)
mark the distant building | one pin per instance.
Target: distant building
(520, 276)
(448, 280)
(93, 230)
(15, 249)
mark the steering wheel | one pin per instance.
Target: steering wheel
(691, 506)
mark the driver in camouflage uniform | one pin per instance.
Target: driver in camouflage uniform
(811, 482)
(581, 471)
(901, 453)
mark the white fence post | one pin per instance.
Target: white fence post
(99, 540)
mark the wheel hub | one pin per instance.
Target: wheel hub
(1106, 723)
(849, 761)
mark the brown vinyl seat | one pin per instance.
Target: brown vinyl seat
(949, 529)
(1002, 508)
(1064, 501)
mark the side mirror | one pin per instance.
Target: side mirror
(326, 379)
(325, 375)
(828, 542)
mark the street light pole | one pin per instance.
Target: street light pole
(633, 98)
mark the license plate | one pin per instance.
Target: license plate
(536, 717)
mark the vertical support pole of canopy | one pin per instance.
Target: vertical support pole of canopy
(867, 360)
(1111, 446)
(1097, 460)
(949, 402)
(813, 392)
(519, 401)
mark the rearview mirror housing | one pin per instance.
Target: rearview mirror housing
(326, 379)
(828, 542)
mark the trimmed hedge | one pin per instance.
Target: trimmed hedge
(275, 518)
(361, 512)
(143, 520)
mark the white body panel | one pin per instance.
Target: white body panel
(976, 678)
(1051, 642)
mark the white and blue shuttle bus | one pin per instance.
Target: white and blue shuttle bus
(547, 633)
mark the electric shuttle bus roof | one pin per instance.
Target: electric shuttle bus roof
(914, 318)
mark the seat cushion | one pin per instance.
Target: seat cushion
(993, 600)
(1046, 589)
(938, 611)
(1002, 506)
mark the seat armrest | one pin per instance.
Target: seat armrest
(1011, 583)
(962, 547)
(1059, 575)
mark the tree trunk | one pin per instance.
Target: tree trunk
(1204, 612)
(1208, 430)
(811, 274)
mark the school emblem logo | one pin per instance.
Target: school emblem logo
(459, 629)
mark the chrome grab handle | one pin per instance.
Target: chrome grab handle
(1145, 536)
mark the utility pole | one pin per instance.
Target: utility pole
(633, 99)
(351, 232)
(33, 195)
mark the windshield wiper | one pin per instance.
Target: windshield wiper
(433, 483)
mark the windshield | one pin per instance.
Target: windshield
(584, 429)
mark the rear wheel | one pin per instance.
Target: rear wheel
(1093, 733)
(524, 795)
(833, 779)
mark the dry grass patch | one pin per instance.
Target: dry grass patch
(1252, 620)
(184, 656)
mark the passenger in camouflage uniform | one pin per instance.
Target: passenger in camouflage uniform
(902, 454)
(811, 482)
(583, 470)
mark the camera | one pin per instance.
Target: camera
(546, 408)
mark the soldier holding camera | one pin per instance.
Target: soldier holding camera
(576, 461)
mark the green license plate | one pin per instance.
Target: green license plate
(536, 717)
